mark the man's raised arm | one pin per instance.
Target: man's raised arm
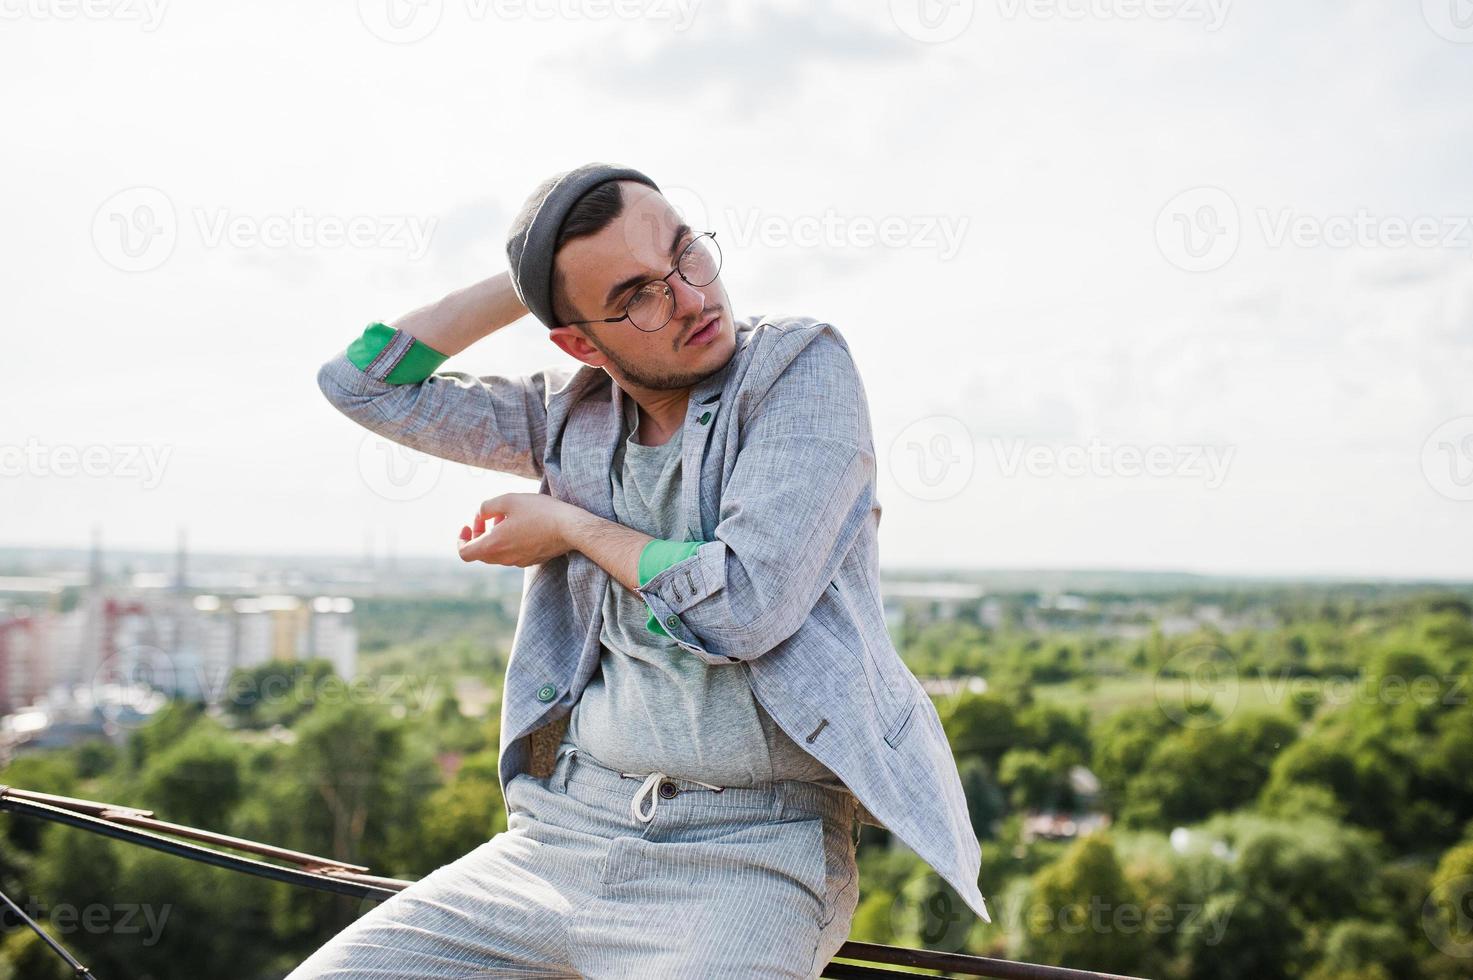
(386, 381)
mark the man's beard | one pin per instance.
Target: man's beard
(646, 379)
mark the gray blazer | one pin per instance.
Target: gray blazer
(779, 466)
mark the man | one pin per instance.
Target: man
(702, 701)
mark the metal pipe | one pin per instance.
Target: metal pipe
(339, 884)
(145, 818)
(343, 879)
(77, 968)
(982, 966)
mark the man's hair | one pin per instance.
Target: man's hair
(589, 215)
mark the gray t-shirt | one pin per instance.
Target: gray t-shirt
(651, 705)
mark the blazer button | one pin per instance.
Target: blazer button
(546, 693)
(705, 417)
(671, 622)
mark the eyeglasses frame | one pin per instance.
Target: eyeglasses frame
(662, 279)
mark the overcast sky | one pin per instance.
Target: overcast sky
(1178, 284)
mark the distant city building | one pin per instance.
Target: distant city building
(334, 636)
(23, 644)
(123, 650)
(919, 603)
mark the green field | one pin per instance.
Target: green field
(1174, 696)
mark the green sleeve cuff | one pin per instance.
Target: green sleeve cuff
(657, 556)
(660, 554)
(416, 363)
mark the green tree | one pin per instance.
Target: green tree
(983, 725)
(1194, 773)
(457, 817)
(277, 692)
(195, 781)
(1365, 950)
(1073, 912)
(24, 955)
(985, 803)
(346, 761)
(42, 774)
(1447, 915)
(162, 730)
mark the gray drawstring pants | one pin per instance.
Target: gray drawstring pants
(601, 875)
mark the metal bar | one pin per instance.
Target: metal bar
(71, 802)
(341, 879)
(146, 819)
(981, 966)
(339, 884)
(235, 843)
(850, 971)
(77, 968)
(397, 884)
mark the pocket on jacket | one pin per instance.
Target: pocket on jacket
(892, 688)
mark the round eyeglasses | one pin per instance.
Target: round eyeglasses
(653, 304)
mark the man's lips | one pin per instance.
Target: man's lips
(702, 326)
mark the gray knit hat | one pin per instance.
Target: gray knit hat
(530, 253)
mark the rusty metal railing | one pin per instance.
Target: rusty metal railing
(141, 827)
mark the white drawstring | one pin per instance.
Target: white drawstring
(648, 786)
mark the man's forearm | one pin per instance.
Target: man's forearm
(453, 323)
(614, 547)
(630, 557)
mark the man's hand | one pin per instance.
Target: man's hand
(530, 528)
(525, 529)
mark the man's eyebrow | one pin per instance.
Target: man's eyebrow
(680, 232)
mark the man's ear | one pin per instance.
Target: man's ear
(572, 342)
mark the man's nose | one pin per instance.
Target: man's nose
(688, 299)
